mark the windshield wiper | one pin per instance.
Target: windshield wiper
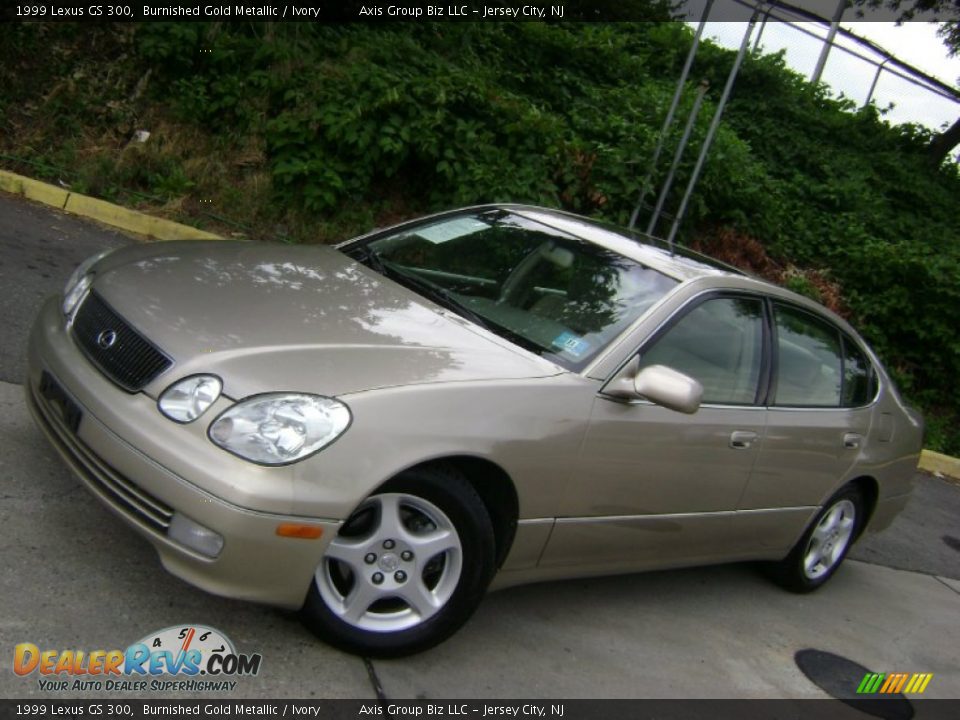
(371, 259)
(442, 297)
(434, 292)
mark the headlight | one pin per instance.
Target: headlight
(188, 399)
(79, 282)
(280, 428)
(75, 292)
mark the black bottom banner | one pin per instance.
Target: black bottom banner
(887, 709)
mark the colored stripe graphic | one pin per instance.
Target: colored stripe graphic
(893, 683)
(903, 680)
(922, 685)
(870, 683)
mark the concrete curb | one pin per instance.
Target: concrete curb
(100, 210)
(934, 462)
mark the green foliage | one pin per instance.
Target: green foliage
(341, 127)
(802, 285)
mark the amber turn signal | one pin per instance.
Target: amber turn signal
(296, 530)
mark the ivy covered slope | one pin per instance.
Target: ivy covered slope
(309, 133)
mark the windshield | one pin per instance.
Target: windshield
(551, 293)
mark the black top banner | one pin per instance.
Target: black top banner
(412, 11)
(331, 11)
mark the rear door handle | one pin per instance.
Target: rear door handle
(852, 440)
(742, 439)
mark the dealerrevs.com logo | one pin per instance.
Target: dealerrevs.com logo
(182, 658)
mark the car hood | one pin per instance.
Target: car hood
(270, 317)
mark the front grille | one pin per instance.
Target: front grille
(121, 492)
(123, 354)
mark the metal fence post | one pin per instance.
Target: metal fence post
(873, 85)
(763, 26)
(668, 182)
(668, 121)
(714, 124)
(828, 44)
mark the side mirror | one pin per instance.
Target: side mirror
(665, 386)
(659, 384)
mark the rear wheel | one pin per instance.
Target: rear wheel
(407, 569)
(818, 554)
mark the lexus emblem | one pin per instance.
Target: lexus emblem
(106, 339)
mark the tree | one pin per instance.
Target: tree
(947, 12)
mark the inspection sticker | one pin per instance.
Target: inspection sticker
(571, 344)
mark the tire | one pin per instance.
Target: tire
(407, 569)
(821, 550)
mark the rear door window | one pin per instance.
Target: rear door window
(809, 360)
(859, 381)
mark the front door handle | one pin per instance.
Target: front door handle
(852, 440)
(742, 439)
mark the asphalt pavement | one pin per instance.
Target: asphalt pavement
(39, 248)
(77, 577)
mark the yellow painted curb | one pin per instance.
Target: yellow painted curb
(934, 462)
(100, 210)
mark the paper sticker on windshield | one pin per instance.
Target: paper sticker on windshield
(571, 344)
(451, 229)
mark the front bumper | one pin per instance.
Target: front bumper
(115, 449)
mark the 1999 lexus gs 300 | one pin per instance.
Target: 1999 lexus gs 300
(504, 394)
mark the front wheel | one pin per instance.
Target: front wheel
(407, 569)
(818, 554)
